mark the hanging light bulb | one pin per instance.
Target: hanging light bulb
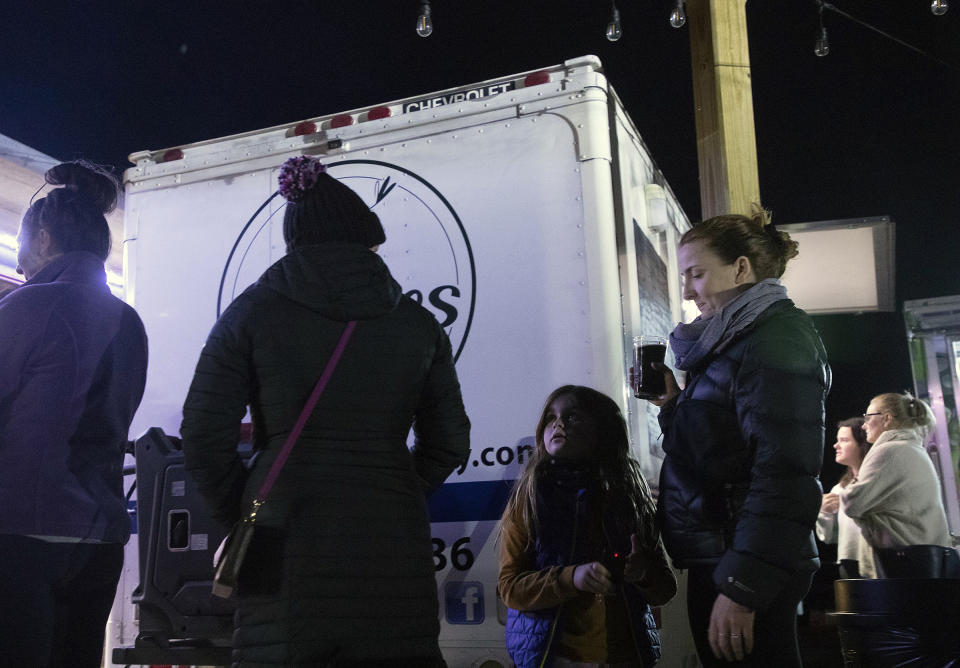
(424, 22)
(678, 17)
(939, 7)
(822, 46)
(614, 31)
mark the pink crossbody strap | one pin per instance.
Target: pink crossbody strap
(305, 414)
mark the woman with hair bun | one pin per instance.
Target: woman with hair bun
(833, 525)
(72, 371)
(895, 497)
(739, 494)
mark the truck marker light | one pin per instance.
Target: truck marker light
(341, 120)
(172, 154)
(378, 112)
(304, 128)
(536, 79)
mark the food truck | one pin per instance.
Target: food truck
(525, 212)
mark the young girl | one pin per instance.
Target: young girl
(581, 560)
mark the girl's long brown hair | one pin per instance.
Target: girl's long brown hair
(619, 472)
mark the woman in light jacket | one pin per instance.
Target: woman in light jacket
(895, 498)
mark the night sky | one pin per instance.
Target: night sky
(869, 130)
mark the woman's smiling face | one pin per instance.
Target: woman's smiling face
(707, 280)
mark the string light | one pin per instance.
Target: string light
(826, 5)
(424, 21)
(614, 30)
(939, 7)
(822, 46)
(678, 17)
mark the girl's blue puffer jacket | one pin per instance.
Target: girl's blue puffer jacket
(563, 509)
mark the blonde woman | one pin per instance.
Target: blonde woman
(895, 498)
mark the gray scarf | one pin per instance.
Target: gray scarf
(693, 342)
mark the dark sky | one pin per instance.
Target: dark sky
(870, 130)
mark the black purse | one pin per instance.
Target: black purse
(917, 561)
(233, 550)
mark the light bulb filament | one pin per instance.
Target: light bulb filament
(424, 20)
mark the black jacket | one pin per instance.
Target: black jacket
(73, 364)
(744, 445)
(355, 562)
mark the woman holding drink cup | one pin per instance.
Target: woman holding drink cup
(739, 494)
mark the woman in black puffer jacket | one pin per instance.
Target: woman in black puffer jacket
(739, 493)
(345, 574)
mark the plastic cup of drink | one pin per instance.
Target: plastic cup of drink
(647, 351)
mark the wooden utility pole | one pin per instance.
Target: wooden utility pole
(723, 97)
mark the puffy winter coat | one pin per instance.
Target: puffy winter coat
(536, 579)
(348, 572)
(744, 446)
(73, 364)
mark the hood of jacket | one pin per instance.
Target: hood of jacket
(340, 281)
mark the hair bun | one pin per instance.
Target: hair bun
(92, 181)
(786, 247)
(760, 216)
(913, 410)
(298, 175)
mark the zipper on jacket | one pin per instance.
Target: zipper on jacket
(573, 548)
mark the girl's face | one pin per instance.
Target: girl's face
(847, 448)
(568, 432)
(707, 281)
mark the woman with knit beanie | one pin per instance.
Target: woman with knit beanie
(345, 576)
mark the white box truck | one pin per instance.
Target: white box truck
(524, 211)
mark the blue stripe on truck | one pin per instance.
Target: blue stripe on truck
(469, 501)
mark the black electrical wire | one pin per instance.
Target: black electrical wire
(826, 5)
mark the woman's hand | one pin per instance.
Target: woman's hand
(594, 578)
(637, 562)
(830, 504)
(673, 389)
(731, 629)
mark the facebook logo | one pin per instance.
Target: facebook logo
(464, 602)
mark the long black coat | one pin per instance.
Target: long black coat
(349, 572)
(744, 445)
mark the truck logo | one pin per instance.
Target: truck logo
(459, 96)
(464, 602)
(427, 248)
